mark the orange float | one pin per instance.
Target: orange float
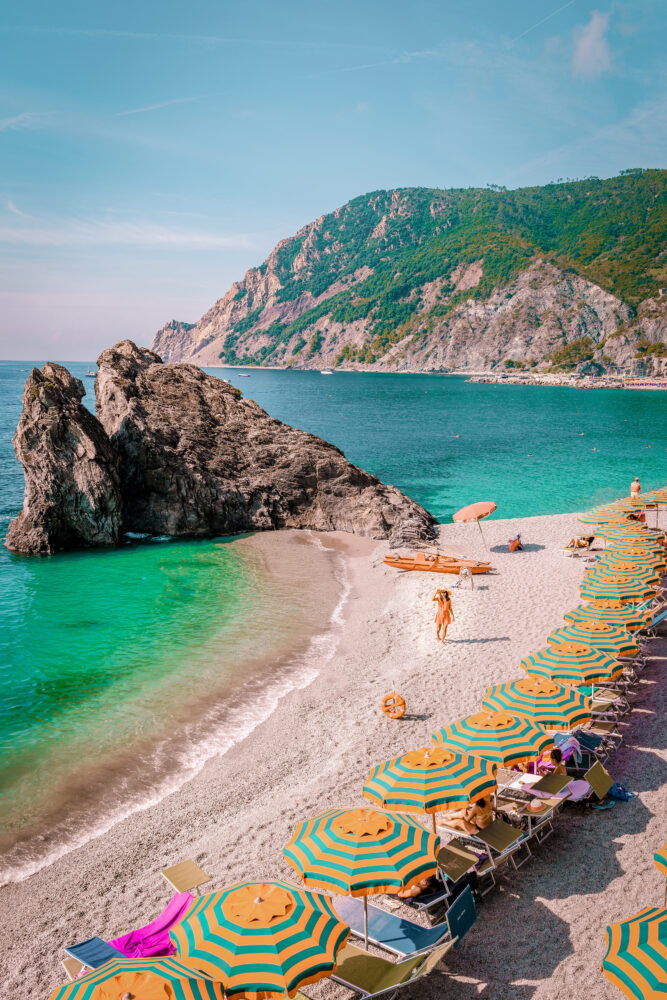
(393, 705)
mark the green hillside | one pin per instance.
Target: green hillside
(612, 232)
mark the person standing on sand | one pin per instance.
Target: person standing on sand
(635, 487)
(444, 616)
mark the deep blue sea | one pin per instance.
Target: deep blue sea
(94, 645)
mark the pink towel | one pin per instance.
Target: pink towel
(153, 939)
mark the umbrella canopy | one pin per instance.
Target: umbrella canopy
(261, 939)
(639, 573)
(621, 587)
(430, 780)
(610, 638)
(475, 512)
(636, 959)
(615, 511)
(614, 612)
(655, 496)
(660, 859)
(632, 530)
(501, 737)
(144, 978)
(552, 705)
(362, 852)
(643, 546)
(573, 663)
(642, 557)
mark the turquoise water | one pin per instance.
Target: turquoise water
(108, 659)
(447, 442)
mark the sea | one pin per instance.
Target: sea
(122, 672)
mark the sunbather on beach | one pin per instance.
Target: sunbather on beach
(444, 616)
(414, 890)
(552, 763)
(473, 819)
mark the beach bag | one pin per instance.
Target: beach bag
(619, 792)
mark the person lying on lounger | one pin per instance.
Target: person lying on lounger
(552, 763)
(414, 890)
(474, 818)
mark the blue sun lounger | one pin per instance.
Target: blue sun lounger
(403, 937)
(93, 952)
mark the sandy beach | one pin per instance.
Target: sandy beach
(540, 935)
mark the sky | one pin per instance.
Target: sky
(151, 152)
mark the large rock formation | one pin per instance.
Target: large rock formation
(178, 452)
(72, 490)
(198, 459)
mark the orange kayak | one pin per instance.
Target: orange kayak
(439, 563)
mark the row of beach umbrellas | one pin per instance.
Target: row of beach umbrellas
(259, 940)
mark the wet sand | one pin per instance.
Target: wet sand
(541, 935)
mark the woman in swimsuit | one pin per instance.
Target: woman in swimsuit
(474, 818)
(553, 763)
(444, 616)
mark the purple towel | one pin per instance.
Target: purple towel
(153, 939)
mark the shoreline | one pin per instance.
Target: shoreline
(314, 751)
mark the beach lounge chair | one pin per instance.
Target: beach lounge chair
(599, 779)
(403, 937)
(93, 952)
(153, 939)
(371, 976)
(185, 876)
(73, 968)
(501, 841)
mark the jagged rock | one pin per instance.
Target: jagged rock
(198, 459)
(72, 490)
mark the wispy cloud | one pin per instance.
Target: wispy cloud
(11, 207)
(591, 56)
(22, 121)
(537, 24)
(401, 59)
(159, 105)
(80, 233)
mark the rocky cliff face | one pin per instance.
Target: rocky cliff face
(72, 489)
(561, 277)
(181, 453)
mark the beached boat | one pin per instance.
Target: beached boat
(326, 371)
(437, 562)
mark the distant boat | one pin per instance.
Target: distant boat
(326, 371)
(91, 374)
(242, 375)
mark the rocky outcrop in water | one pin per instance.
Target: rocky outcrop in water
(198, 459)
(178, 452)
(72, 488)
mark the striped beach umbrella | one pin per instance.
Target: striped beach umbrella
(660, 859)
(634, 531)
(653, 545)
(617, 556)
(261, 939)
(639, 573)
(362, 852)
(552, 705)
(502, 737)
(614, 612)
(430, 780)
(636, 959)
(616, 511)
(143, 978)
(621, 587)
(609, 638)
(573, 663)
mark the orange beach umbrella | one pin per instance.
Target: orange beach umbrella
(475, 512)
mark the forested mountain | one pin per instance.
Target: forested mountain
(566, 276)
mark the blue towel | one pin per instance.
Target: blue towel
(93, 952)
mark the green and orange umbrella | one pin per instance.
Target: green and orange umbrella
(502, 737)
(143, 978)
(261, 939)
(618, 586)
(430, 780)
(573, 663)
(633, 531)
(362, 852)
(660, 859)
(615, 556)
(611, 639)
(552, 705)
(638, 573)
(636, 958)
(611, 512)
(615, 612)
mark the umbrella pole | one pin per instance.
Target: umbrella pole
(482, 534)
(433, 817)
(366, 922)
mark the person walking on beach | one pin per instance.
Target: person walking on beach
(635, 487)
(444, 615)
